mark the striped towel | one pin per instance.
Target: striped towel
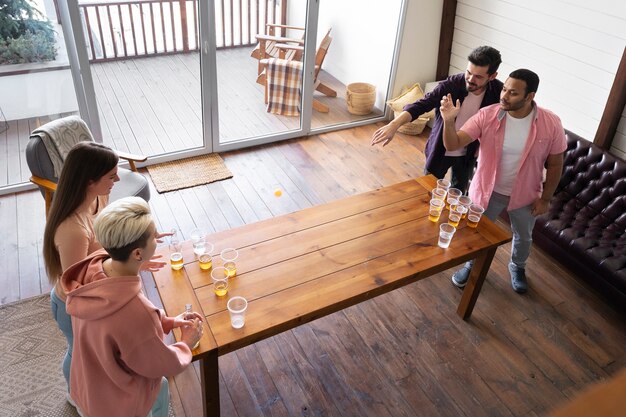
(284, 83)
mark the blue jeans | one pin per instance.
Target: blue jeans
(522, 224)
(64, 321)
(162, 404)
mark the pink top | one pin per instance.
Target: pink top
(546, 137)
(75, 239)
(119, 352)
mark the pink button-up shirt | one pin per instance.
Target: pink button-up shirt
(546, 137)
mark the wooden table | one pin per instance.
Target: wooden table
(301, 266)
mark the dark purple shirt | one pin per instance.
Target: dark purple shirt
(454, 85)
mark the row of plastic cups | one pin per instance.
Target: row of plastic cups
(203, 250)
(457, 212)
(447, 230)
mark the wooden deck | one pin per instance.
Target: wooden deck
(152, 106)
(403, 354)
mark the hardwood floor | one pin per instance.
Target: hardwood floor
(405, 353)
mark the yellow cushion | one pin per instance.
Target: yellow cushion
(411, 95)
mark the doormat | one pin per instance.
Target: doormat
(32, 348)
(188, 172)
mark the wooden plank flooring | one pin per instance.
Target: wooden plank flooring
(405, 353)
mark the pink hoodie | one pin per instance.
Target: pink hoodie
(119, 353)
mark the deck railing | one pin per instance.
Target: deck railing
(137, 28)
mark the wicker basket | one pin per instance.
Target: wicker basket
(360, 98)
(412, 128)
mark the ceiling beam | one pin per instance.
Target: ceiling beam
(614, 108)
(446, 33)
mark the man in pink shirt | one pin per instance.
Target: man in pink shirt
(518, 139)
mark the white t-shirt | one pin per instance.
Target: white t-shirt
(469, 107)
(516, 133)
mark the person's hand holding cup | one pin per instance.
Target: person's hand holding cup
(191, 335)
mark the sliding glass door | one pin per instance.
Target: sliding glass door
(354, 59)
(144, 59)
(174, 78)
(259, 61)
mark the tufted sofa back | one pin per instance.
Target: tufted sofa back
(587, 217)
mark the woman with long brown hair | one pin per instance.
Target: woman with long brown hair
(88, 175)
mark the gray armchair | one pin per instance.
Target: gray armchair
(66, 132)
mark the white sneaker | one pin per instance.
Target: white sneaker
(70, 400)
(73, 404)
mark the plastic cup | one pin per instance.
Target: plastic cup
(465, 201)
(176, 261)
(443, 184)
(456, 214)
(453, 197)
(220, 281)
(205, 260)
(176, 251)
(436, 206)
(198, 241)
(229, 256)
(474, 214)
(446, 231)
(237, 308)
(438, 193)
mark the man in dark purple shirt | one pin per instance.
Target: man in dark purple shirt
(480, 80)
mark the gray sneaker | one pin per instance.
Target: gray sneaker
(518, 279)
(460, 277)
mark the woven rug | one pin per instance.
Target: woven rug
(31, 351)
(188, 172)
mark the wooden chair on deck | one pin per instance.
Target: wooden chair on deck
(266, 47)
(319, 59)
(68, 131)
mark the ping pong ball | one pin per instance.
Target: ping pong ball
(278, 192)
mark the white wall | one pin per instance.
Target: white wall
(364, 33)
(37, 94)
(420, 44)
(575, 47)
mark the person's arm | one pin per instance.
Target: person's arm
(411, 112)
(385, 134)
(152, 358)
(554, 169)
(147, 354)
(452, 140)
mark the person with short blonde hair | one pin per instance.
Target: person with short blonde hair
(124, 226)
(120, 356)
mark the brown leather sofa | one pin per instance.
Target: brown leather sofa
(585, 228)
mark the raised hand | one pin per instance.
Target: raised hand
(449, 110)
(160, 235)
(153, 264)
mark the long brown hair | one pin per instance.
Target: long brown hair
(86, 162)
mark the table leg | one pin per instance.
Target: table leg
(475, 283)
(210, 384)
